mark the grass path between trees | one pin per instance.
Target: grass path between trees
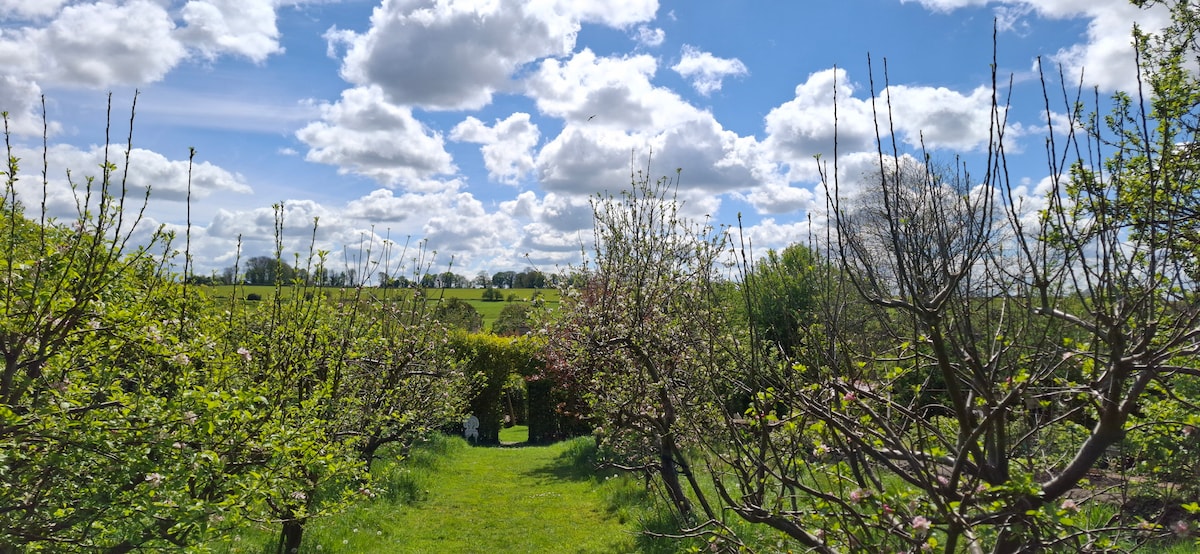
(509, 499)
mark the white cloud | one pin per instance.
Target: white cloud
(780, 199)
(614, 13)
(943, 118)
(103, 43)
(167, 179)
(617, 91)
(416, 51)
(98, 45)
(20, 98)
(705, 70)
(363, 133)
(650, 37)
(242, 27)
(803, 127)
(507, 146)
(614, 111)
(770, 234)
(16, 9)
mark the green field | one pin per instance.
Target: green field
(489, 310)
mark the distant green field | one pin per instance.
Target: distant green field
(489, 310)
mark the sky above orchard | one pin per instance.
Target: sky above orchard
(484, 127)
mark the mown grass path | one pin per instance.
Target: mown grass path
(495, 500)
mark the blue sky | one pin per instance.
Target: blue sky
(470, 124)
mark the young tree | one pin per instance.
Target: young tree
(627, 335)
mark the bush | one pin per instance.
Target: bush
(253, 297)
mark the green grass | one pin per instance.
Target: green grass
(449, 497)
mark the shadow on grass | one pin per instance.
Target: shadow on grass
(578, 462)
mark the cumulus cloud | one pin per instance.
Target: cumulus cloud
(96, 45)
(803, 127)
(507, 146)
(613, 111)
(780, 199)
(20, 98)
(17, 9)
(617, 90)
(366, 134)
(942, 118)
(649, 36)
(705, 70)
(416, 52)
(241, 27)
(104, 44)
(166, 179)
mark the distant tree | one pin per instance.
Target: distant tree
(529, 279)
(492, 295)
(456, 312)
(229, 275)
(267, 270)
(481, 280)
(503, 279)
(514, 319)
(398, 282)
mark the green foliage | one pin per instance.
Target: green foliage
(781, 290)
(514, 319)
(457, 313)
(497, 363)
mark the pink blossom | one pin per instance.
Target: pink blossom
(921, 524)
(857, 495)
(155, 479)
(244, 353)
(1180, 528)
(1069, 505)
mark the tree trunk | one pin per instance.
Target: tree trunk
(670, 477)
(290, 537)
